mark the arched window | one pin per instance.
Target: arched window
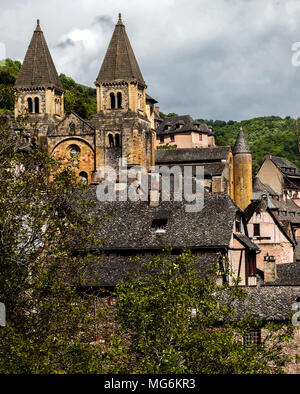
(111, 140)
(112, 101)
(72, 127)
(74, 150)
(118, 142)
(84, 177)
(36, 105)
(119, 99)
(29, 105)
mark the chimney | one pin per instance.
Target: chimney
(154, 189)
(270, 269)
(156, 109)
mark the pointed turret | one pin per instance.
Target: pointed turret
(119, 62)
(120, 84)
(38, 69)
(242, 167)
(241, 144)
(39, 88)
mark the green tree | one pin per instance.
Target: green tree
(49, 326)
(154, 310)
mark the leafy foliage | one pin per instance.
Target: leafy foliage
(8, 74)
(154, 309)
(49, 326)
(266, 135)
(79, 98)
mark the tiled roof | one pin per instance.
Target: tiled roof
(111, 269)
(130, 223)
(119, 62)
(285, 165)
(38, 69)
(269, 303)
(181, 124)
(192, 155)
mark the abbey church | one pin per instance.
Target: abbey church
(127, 123)
(252, 226)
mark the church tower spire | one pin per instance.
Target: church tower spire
(120, 84)
(38, 84)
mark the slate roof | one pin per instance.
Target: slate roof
(246, 241)
(288, 274)
(38, 69)
(181, 124)
(241, 144)
(130, 223)
(259, 187)
(192, 155)
(119, 62)
(269, 303)
(110, 270)
(149, 98)
(285, 165)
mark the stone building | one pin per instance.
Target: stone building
(123, 126)
(184, 132)
(282, 176)
(139, 229)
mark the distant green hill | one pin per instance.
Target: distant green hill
(78, 98)
(267, 134)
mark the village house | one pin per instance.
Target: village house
(260, 244)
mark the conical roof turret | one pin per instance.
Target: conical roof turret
(241, 144)
(119, 62)
(38, 69)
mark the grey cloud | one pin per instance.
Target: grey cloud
(105, 21)
(66, 43)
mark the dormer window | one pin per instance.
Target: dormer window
(159, 225)
(179, 125)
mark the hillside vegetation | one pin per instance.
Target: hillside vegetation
(268, 134)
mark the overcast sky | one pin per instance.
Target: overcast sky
(212, 59)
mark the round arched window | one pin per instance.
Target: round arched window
(84, 177)
(74, 150)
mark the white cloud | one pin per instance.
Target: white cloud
(225, 59)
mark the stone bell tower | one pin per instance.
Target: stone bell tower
(39, 92)
(123, 129)
(242, 166)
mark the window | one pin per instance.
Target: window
(200, 137)
(253, 336)
(74, 150)
(161, 139)
(30, 105)
(119, 99)
(111, 140)
(84, 177)
(172, 138)
(238, 226)
(36, 105)
(256, 230)
(112, 101)
(72, 127)
(117, 139)
(159, 225)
